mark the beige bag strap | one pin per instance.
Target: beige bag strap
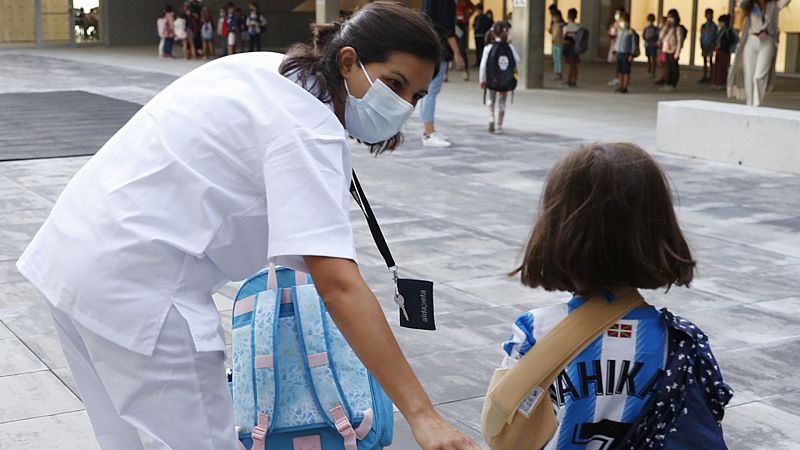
(531, 377)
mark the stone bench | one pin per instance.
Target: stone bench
(764, 138)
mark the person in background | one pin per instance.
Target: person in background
(672, 40)
(624, 50)
(196, 7)
(708, 41)
(464, 10)
(557, 36)
(222, 30)
(233, 29)
(662, 58)
(169, 30)
(243, 38)
(650, 36)
(727, 40)
(443, 17)
(189, 49)
(480, 26)
(755, 73)
(161, 29)
(613, 30)
(571, 57)
(255, 26)
(207, 33)
(497, 37)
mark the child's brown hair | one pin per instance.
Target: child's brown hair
(606, 221)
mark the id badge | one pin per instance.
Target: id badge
(416, 308)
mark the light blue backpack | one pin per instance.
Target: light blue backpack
(296, 382)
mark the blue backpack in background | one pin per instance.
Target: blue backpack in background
(297, 384)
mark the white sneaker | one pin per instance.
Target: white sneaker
(614, 82)
(432, 140)
(667, 88)
(498, 130)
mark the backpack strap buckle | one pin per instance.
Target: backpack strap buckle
(260, 431)
(344, 427)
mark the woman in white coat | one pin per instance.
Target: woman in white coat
(197, 190)
(752, 74)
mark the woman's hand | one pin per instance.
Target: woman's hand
(432, 432)
(483, 85)
(356, 312)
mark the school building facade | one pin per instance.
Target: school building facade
(44, 23)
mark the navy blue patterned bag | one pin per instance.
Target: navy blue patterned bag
(686, 410)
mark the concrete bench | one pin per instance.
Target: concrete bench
(764, 138)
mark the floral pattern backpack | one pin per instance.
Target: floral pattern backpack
(296, 382)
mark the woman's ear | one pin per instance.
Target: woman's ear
(348, 58)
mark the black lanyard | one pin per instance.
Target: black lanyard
(377, 235)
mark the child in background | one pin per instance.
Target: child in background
(557, 36)
(222, 30)
(625, 49)
(606, 228)
(189, 49)
(161, 29)
(244, 37)
(207, 33)
(708, 41)
(650, 36)
(727, 40)
(571, 57)
(498, 73)
(255, 26)
(233, 29)
(169, 30)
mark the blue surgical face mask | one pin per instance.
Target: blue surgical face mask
(378, 115)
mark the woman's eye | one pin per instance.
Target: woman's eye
(395, 85)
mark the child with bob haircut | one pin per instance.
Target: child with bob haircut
(607, 228)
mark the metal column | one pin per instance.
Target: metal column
(693, 33)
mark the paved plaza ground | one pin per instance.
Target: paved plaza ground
(458, 216)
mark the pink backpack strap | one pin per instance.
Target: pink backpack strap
(260, 432)
(345, 428)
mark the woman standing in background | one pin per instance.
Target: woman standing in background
(754, 66)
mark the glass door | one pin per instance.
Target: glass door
(87, 19)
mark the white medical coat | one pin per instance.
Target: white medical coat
(230, 166)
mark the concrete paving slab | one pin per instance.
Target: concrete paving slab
(5, 333)
(68, 431)
(38, 394)
(757, 426)
(769, 327)
(760, 372)
(16, 358)
(789, 402)
(47, 348)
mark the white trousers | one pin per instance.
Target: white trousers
(758, 58)
(176, 399)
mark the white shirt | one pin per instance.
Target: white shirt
(764, 20)
(229, 166)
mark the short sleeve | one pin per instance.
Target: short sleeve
(521, 340)
(307, 178)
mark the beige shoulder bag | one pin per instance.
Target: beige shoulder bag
(517, 413)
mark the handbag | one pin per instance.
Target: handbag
(517, 413)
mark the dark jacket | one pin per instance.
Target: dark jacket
(482, 24)
(443, 15)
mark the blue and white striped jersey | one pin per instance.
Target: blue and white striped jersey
(602, 391)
